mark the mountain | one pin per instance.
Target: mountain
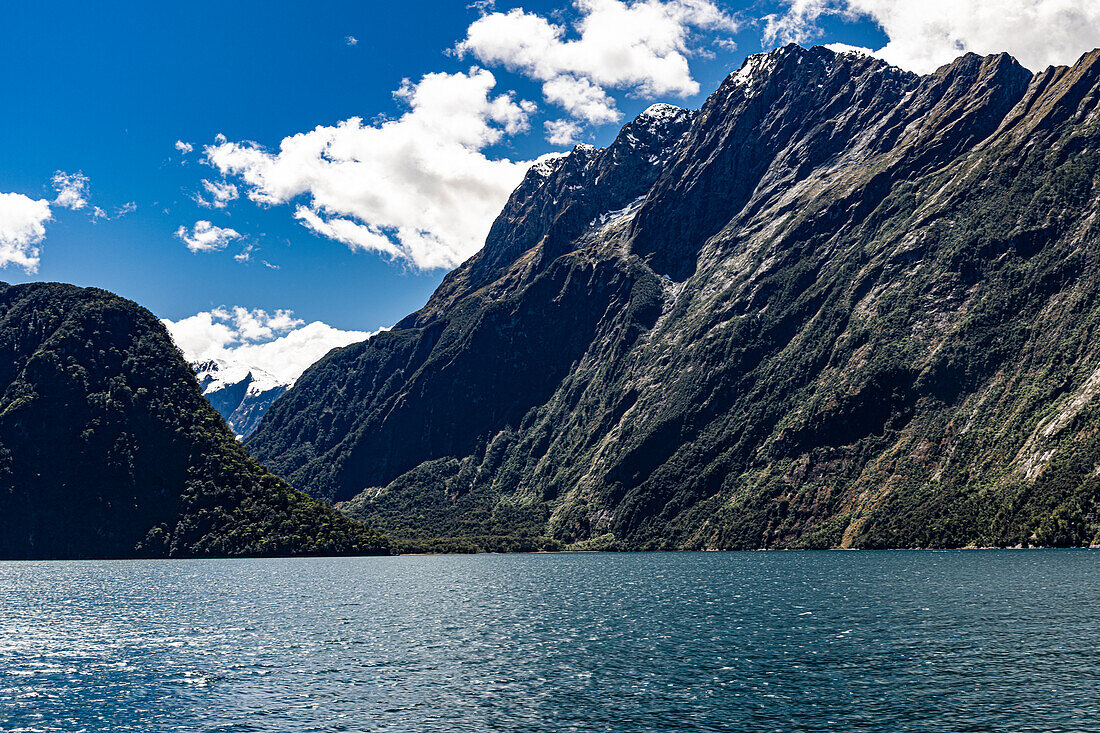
(108, 448)
(839, 305)
(241, 394)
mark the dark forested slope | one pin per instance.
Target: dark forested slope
(108, 449)
(840, 305)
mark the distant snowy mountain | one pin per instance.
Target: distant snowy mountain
(240, 393)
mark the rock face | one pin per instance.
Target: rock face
(240, 394)
(840, 305)
(108, 449)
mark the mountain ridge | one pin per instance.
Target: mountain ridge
(832, 264)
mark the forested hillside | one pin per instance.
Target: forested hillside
(108, 448)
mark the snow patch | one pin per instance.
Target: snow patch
(659, 114)
(754, 70)
(547, 164)
(216, 374)
(617, 215)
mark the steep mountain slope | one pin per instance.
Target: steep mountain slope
(108, 449)
(240, 394)
(840, 305)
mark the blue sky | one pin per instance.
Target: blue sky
(107, 89)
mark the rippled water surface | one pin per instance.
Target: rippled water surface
(890, 641)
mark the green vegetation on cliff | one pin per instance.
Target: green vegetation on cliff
(845, 306)
(108, 449)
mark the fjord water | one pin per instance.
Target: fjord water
(829, 641)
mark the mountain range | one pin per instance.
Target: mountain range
(840, 305)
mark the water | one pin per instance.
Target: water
(885, 641)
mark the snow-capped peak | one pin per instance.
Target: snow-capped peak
(755, 67)
(216, 374)
(546, 164)
(656, 114)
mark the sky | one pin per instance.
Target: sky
(275, 179)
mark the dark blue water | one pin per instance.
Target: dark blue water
(890, 641)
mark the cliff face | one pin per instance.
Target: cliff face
(841, 304)
(108, 449)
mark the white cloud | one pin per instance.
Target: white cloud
(127, 208)
(562, 132)
(640, 46)
(183, 147)
(277, 343)
(221, 193)
(418, 188)
(206, 237)
(356, 236)
(800, 23)
(72, 189)
(925, 35)
(582, 99)
(245, 255)
(845, 48)
(22, 226)
(351, 40)
(257, 324)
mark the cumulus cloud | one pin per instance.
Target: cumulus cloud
(582, 99)
(923, 36)
(278, 343)
(22, 226)
(183, 147)
(418, 188)
(642, 47)
(221, 193)
(356, 236)
(72, 189)
(562, 132)
(206, 237)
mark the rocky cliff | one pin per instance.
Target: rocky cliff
(839, 305)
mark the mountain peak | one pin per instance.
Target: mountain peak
(240, 392)
(873, 272)
(660, 113)
(757, 69)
